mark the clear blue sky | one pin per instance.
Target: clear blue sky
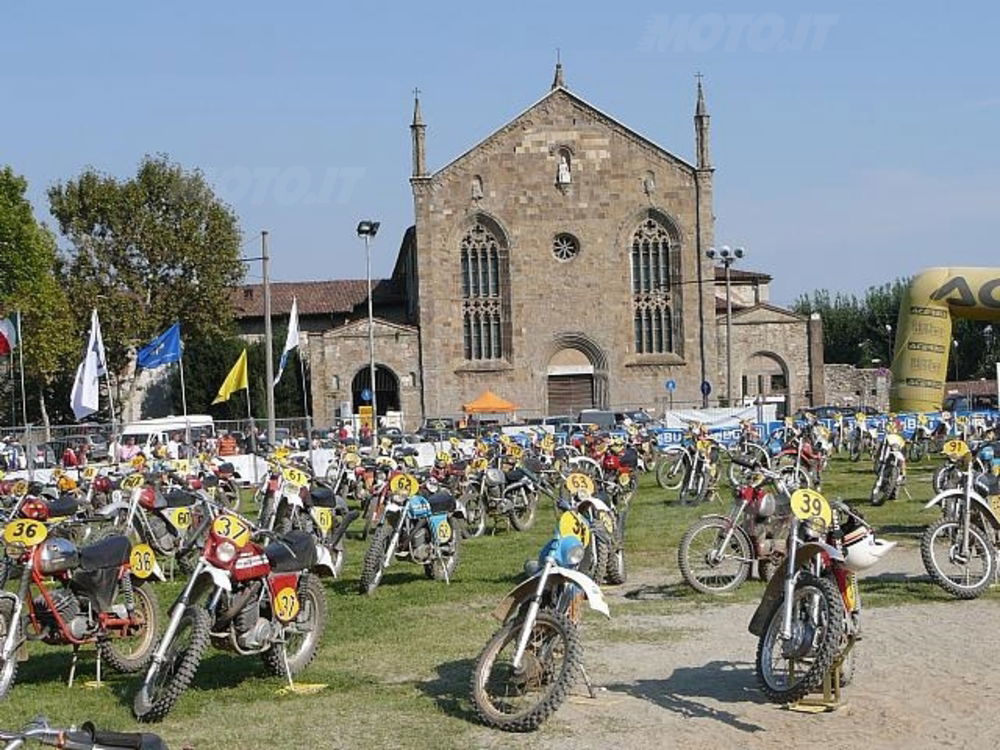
(854, 141)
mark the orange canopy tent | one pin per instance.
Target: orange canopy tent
(489, 403)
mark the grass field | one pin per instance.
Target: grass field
(397, 664)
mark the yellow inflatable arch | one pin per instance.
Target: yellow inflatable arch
(923, 331)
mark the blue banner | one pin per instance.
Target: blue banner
(163, 350)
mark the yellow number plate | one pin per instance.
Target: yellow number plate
(232, 528)
(515, 450)
(955, 449)
(180, 517)
(624, 479)
(286, 604)
(20, 487)
(56, 473)
(138, 461)
(132, 481)
(443, 457)
(404, 484)
(573, 524)
(90, 472)
(142, 561)
(182, 465)
(809, 504)
(444, 532)
(323, 518)
(579, 482)
(25, 531)
(294, 476)
(478, 465)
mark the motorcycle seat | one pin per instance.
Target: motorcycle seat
(294, 551)
(514, 475)
(442, 502)
(64, 505)
(226, 469)
(322, 497)
(107, 553)
(177, 498)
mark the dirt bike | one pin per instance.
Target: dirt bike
(717, 553)
(243, 597)
(890, 467)
(921, 441)
(527, 668)
(862, 438)
(87, 737)
(422, 530)
(96, 596)
(495, 493)
(959, 551)
(700, 472)
(810, 615)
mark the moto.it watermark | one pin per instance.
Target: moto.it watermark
(737, 32)
(285, 186)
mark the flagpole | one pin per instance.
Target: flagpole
(305, 407)
(20, 355)
(184, 401)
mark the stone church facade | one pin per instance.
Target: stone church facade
(561, 264)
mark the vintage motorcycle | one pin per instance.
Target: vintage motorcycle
(423, 530)
(96, 596)
(527, 668)
(959, 551)
(243, 597)
(496, 493)
(890, 467)
(717, 553)
(810, 615)
(87, 737)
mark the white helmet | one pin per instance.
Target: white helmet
(862, 550)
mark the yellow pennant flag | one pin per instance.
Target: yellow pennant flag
(236, 380)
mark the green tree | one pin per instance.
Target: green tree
(148, 251)
(28, 283)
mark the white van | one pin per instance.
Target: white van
(158, 431)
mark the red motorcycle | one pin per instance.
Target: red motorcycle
(246, 597)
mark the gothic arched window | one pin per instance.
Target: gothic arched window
(655, 288)
(485, 294)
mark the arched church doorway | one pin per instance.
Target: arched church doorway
(766, 375)
(570, 375)
(386, 389)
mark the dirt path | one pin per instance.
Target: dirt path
(926, 677)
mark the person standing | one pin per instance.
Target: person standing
(69, 459)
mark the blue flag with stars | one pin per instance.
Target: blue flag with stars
(162, 350)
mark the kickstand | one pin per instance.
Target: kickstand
(72, 665)
(288, 671)
(444, 568)
(98, 668)
(907, 491)
(586, 679)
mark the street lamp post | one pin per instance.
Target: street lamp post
(727, 256)
(368, 229)
(954, 356)
(888, 330)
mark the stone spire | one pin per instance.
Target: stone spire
(701, 118)
(417, 129)
(558, 82)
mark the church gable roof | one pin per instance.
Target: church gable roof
(765, 313)
(562, 93)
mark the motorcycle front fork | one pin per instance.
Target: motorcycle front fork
(530, 617)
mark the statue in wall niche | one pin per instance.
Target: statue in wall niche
(563, 176)
(477, 188)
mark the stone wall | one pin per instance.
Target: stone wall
(617, 179)
(847, 385)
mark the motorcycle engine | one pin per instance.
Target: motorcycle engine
(68, 607)
(421, 549)
(164, 539)
(253, 632)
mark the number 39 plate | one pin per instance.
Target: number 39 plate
(809, 504)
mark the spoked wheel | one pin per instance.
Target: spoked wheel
(519, 700)
(709, 566)
(523, 518)
(8, 669)
(694, 489)
(882, 487)
(228, 494)
(789, 670)
(130, 649)
(670, 469)
(964, 575)
(303, 633)
(372, 567)
(475, 513)
(169, 679)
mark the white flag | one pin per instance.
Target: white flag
(291, 340)
(85, 399)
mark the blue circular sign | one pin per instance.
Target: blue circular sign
(671, 385)
(706, 387)
(366, 394)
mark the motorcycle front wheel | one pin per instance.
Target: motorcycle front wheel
(8, 669)
(475, 512)
(789, 670)
(962, 576)
(519, 700)
(372, 565)
(164, 687)
(523, 518)
(670, 469)
(708, 567)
